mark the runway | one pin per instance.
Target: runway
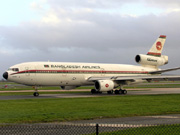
(145, 91)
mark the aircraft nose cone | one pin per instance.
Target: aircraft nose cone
(5, 75)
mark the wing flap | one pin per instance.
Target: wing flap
(164, 70)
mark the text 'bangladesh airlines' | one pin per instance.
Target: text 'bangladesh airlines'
(105, 77)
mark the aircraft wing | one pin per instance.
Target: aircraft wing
(134, 78)
(150, 77)
(164, 70)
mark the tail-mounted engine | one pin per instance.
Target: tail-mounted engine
(147, 60)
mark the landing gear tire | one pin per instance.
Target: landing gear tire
(116, 91)
(36, 94)
(120, 91)
(93, 91)
(110, 92)
(124, 92)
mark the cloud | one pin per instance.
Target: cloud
(51, 18)
(105, 4)
(35, 6)
(95, 30)
(86, 3)
(163, 3)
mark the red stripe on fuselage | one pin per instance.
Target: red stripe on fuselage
(80, 71)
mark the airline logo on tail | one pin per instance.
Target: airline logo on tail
(157, 47)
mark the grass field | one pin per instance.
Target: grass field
(52, 110)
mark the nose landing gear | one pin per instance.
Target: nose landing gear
(36, 93)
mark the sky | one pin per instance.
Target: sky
(98, 31)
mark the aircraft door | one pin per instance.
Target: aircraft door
(102, 72)
(30, 76)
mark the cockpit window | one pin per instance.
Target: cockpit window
(14, 69)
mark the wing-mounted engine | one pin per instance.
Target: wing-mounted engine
(105, 85)
(148, 60)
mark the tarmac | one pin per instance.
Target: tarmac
(145, 91)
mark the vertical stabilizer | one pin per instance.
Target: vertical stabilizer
(157, 47)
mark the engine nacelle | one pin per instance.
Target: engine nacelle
(104, 85)
(68, 87)
(151, 60)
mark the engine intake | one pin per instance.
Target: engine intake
(104, 85)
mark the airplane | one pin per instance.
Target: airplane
(105, 77)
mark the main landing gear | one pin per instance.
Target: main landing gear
(120, 91)
(36, 93)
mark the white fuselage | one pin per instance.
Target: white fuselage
(69, 74)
